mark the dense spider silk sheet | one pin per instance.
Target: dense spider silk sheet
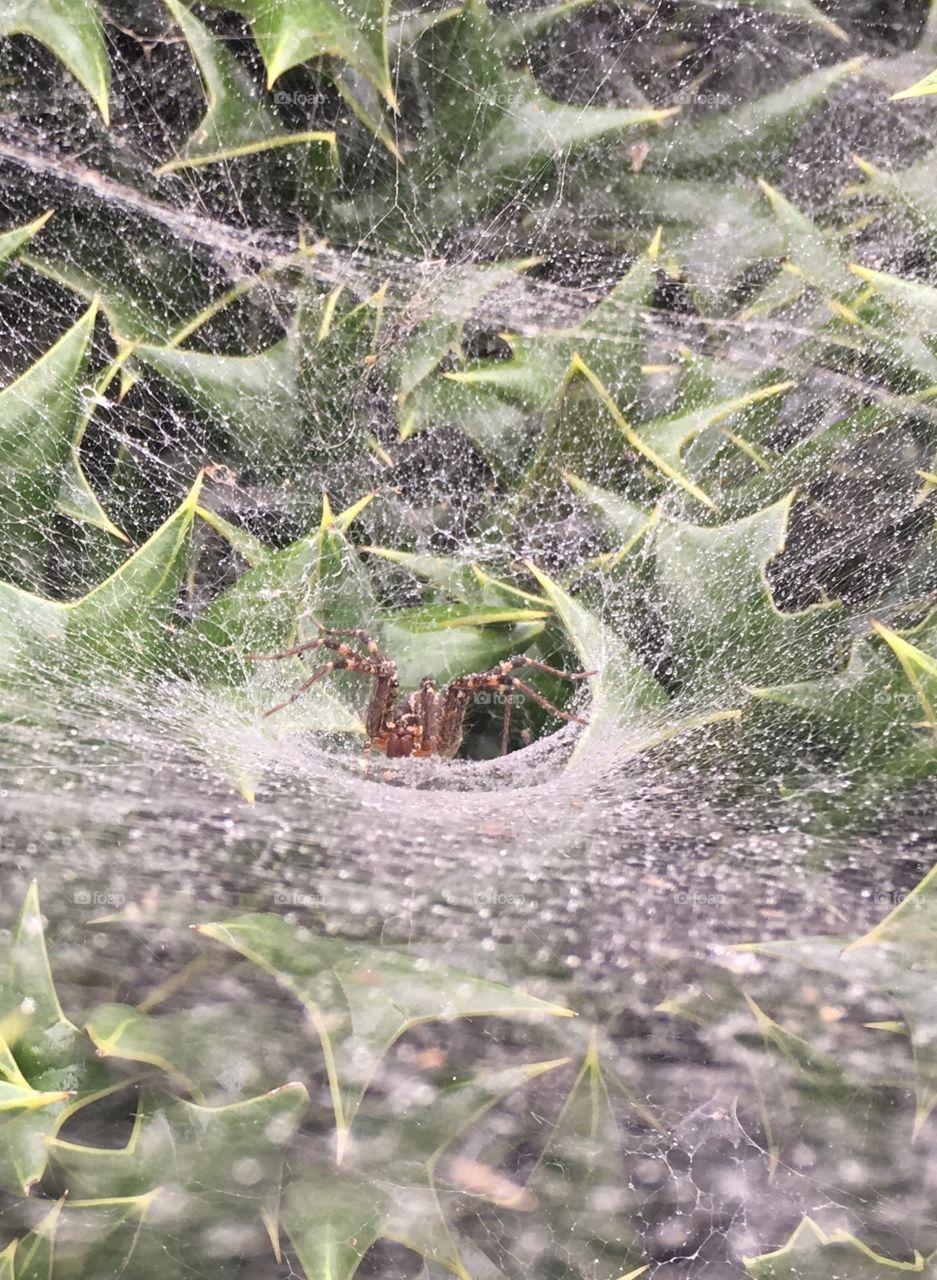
(594, 870)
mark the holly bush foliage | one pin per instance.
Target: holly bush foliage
(305, 325)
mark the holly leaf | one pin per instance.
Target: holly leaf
(914, 302)
(466, 638)
(72, 32)
(814, 1254)
(752, 138)
(204, 1054)
(120, 625)
(32, 1255)
(898, 958)
(388, 1189)
(492, 131)
(450, 301)
(237, 122)
(290, 32)
(724, 629)
(624, 694)
(39, 419)
(576, 1186)
(252, 401)
(192, 1147)
(361, 999)
(814, 254)
(587, 433)
(878, 711)
(267, 610)
(49, 1069)
(13, 240)
(920, 88)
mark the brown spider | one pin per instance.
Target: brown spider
(431, 721)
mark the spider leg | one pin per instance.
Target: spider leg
(506, 725)
(321, 642)
(454, 707)
(286, 653)
(432, 710)
(344, 662)
(365, 637)
(500, 678)
(381, 706)
(542, 702)
(307, 684)
(520, 660)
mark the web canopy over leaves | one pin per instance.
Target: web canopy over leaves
(598, 334)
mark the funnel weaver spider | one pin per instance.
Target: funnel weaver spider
(431, 721)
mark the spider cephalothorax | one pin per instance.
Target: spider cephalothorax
(430, 721)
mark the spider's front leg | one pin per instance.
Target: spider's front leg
(501, 677)
(378, 668)
(454, 700)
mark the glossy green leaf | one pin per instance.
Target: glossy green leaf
(319, 577)
(238, 122)
(12, 241)
(362, 998)
(270, 608)
(193, 1147)
(451, 299)
(48, 1062)
(466, 638)
(906, 943)
(748, 139)
(814, 253)
(724, 627)
(816, 1071)
(578, 1184)
(915, 302)
(34, 1252)
(897, 958)
(76, 497)
(497, 427)
(121, 625)
(458, 579)
(204, 1054)
(278, 410)
(96, 1238)
(814, 1254)
(14, 1097)
(637, 439)
(332, 1222)
(249, 548)
(388, 1189)
(877, 711)
(72, 32)
(289, 32)
(920, 88)
(625, 520)
(253, 400)
(148, 287)
(668, 438)
(492, 131)
(39, 417)
(610, 339)
(623, 692)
